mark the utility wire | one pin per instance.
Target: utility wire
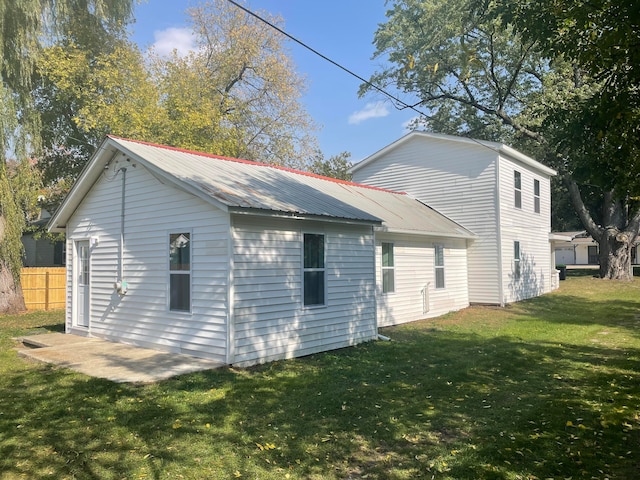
(402, 103)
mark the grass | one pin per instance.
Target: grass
(547, 388)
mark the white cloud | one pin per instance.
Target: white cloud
(173, 38)
(371, 110)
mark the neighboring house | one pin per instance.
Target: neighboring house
(40, 251)
(582, 249)
(244, 262)
(495, 191)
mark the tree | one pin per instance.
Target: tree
(84, 95)
(476, 74)
(237, 94)
(239, 89)
(24, 26)
(337, 166)
(602, 133)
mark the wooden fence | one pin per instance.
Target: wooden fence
(44, 288)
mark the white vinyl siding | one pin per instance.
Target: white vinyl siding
(529, 229)
(152, 211)
(458, 180)
(270, 319)
(474, 185)
(416, 296)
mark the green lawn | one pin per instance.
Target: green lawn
(548, 388)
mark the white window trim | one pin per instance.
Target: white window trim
(303, 270)
(536, 196)
(383, 268)
(179, 272)
(517, 190)
(517, 260)
(437, 267)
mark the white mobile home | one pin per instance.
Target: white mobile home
(495, 191)
(245, 262)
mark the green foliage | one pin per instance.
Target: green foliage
(600, 39)
(557, 80)
(83, 96)
(236, 95)
(472, 77)
(18, 187)
(337, 166)
(482, 393)
(25, 26)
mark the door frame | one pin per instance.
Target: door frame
(78, 309)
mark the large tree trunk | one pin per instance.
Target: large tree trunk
(11, 298)
(615, 255)
(615, 239)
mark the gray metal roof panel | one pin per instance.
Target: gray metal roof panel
(242, 184)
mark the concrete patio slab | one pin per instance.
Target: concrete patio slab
(114, 361)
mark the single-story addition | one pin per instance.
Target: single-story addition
(244, 262)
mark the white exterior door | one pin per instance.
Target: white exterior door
(83, 284)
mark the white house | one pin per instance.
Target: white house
(493, 190)
(244, 262)
(582, 249)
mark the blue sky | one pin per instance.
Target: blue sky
(340, 29)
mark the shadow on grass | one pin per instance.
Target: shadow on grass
(431, 403)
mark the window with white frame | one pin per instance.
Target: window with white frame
(516, 260)
(517, 186)
(180, 271)
(439, 264)
(314, 269)
(536, 196)
(388, 269)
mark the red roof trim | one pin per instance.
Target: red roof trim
(259, 164)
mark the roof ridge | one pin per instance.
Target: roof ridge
(258, 164)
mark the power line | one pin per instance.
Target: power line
(403, 104)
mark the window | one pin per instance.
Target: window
(439, 263)
(388, 269)
(516, 260)
(536, 196)
(592, 253)
(517, 184)
(180, 272)
(314, 271)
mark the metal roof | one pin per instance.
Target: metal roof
(241, 186)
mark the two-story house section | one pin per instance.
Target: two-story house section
(500, 194)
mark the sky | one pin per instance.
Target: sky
(342, 30)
